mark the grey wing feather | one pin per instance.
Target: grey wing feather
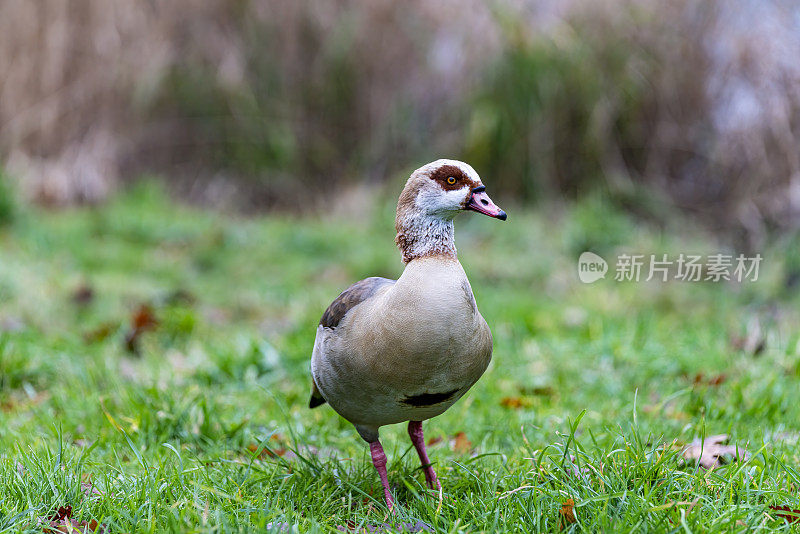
(347, 300)
(350, 298)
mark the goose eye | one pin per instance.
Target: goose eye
(451, 180)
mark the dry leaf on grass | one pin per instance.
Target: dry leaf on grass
(567, 513)
(460, 444)
(539, 391)
(700, 379)
(62, 521)
(515, 403)
(271, 450)
(279, 447)
(267, 452)
(23, 402)
(142, 320)
(712, 452)
(434, 440)
(791, 515)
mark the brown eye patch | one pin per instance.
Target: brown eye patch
(450, 178)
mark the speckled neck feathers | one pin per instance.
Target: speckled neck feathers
(420, 235)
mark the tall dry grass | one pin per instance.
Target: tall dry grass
(273, 92)
(681, 103)
(65, 104)
(259, 102)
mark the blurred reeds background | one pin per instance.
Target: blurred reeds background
(280, 104)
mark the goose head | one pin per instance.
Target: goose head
(432, 197)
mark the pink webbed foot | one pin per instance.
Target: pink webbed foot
(417, 438)
(379, 461)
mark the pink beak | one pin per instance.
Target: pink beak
(479, 201)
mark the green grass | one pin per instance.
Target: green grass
(600, 379)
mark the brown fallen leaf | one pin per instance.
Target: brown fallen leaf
(100, 333)
(539, 391)
(267, 451)
(567, 514)
(716, 380)
(63, 512)
(62, 521)
(712, 452)
(62, 525)
(99, 528)
(700, 379)
(22, 402)
(516, 403)
(142, 320)
(271, 450)
(460, 444)
(791, 515)
(434, 440)
(73, 526)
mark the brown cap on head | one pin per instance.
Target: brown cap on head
(452, 178)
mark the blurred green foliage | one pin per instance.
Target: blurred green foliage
(559, 115)
(8, 206)
(597, 226)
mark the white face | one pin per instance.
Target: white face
(433, 200)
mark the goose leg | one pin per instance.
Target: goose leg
(379, 461)
(415, 432)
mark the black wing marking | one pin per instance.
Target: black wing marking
(429, 399)
(351, 297)
(316, 397)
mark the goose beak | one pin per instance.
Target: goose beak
(479, 201)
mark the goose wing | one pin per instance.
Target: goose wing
(346, 301)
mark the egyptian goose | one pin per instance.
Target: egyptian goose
(390, 351)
